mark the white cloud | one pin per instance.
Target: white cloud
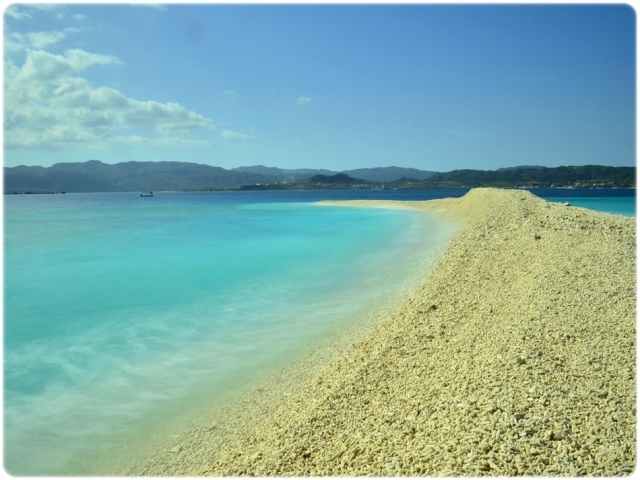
(14, 12)
(46, 7)
(43, 39)
(20, 12)
(231, 135)
(167, 118)
(16, 42)
(157, 6)
(48, 106)
(78, 17)
(230, 93)
(48, 68)
(303, 101)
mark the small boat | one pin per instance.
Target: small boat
(150, 194)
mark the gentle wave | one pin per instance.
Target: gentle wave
(129, 316)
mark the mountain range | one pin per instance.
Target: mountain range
(378, 174)
(96, 176)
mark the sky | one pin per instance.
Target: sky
(320, 86)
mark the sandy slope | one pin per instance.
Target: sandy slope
(517, 356)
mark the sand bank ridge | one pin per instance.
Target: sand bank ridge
(516, 356)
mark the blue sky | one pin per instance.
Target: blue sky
(320, 86)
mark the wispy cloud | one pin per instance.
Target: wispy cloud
(230, 93)
(16, 12)
(49, 106)
(231, 135)
(303, 101)
(157, 6)
(21, 12)
(16, 42)
(46, 7)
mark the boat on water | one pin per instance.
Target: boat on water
(150, 194)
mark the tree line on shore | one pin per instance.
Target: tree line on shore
(587, 176)
(95, 176)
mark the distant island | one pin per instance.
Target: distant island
(96, 176)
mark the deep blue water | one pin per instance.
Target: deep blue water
(120, 311)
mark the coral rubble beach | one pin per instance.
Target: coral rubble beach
(515, 357)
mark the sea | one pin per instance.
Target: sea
(621, 201)
(125, 316)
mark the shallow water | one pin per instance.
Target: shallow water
(621, 201)
(618, 205)
(123, 312)
(124, 315)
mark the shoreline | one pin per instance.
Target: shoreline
(515, 356)
(285, 374)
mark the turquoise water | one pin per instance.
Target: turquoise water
(125, 316)
(619, 201)
(618, 205)
(121, 311)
